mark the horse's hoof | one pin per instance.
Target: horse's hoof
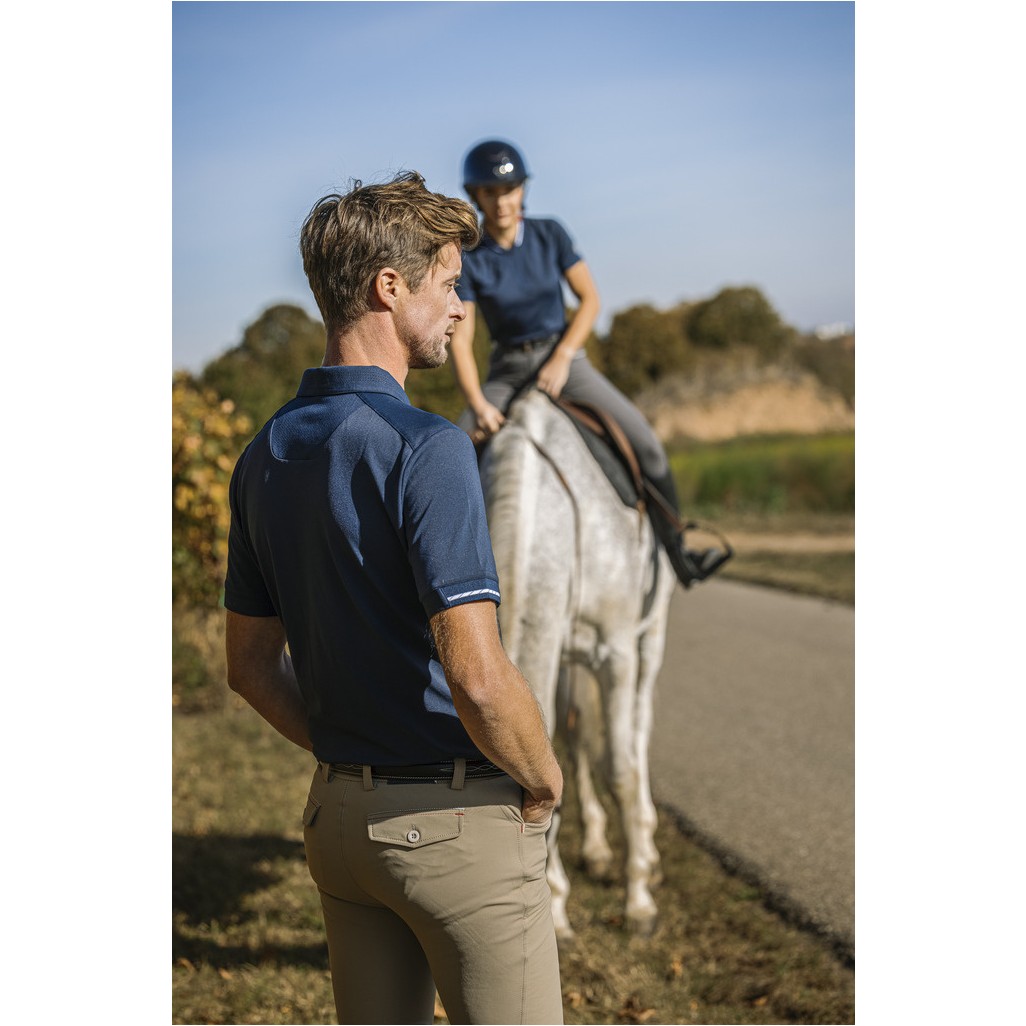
(599, 868)
(642, 926)
(566, 939)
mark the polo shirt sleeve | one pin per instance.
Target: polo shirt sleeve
(245, 590)
(566, 253)
(450, 550)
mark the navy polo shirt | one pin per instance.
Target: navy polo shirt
(519, 291)
(355, 517)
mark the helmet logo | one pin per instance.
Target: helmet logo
(493, 162)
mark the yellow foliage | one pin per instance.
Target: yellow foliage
(207, 436)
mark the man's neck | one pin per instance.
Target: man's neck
(367, 344)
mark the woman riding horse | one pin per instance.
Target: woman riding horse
(515, 275)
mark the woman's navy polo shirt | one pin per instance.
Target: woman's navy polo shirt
(355, 518)
(519, 291)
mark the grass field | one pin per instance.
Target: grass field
(248, 944)
(807, 553)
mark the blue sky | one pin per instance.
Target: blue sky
(686, 146)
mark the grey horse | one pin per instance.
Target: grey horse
(585, 595)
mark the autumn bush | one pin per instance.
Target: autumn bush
(207, 435)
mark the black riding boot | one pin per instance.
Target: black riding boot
(690, 565)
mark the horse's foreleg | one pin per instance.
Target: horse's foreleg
(646, 811)
(583, 735)
(650, 659)
(629, 783)
(595, 850)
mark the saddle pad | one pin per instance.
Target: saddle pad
(612, 465)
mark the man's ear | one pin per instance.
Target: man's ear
(387, 284)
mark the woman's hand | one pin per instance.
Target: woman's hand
(554, 372)
(489, 420)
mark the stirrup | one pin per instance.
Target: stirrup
(691, 565)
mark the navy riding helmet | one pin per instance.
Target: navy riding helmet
(494, 162)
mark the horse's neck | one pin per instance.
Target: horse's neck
(512, 497)
(534, 534)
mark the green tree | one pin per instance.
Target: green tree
(263, 372)
(738, 317)
(643, 345)
(831, 360)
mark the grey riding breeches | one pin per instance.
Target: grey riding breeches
(509, 369)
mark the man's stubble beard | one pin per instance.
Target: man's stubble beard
(427, 357)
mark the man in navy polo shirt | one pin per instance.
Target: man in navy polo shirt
(358, 540)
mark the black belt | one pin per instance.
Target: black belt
(531, 343)
(476, 770)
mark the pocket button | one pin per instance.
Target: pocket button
(413, 836)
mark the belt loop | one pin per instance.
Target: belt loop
(459, 771)
(368, 783)
(325, 769)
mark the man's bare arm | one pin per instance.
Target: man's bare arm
(260, 670)
(496, 704)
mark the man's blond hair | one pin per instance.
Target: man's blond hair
(347, 239)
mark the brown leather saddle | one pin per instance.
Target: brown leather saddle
(615, 455)
(596, 425)
(611, 449)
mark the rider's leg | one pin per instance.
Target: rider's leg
(690, 565)
(587, 385)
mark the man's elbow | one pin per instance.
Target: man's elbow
(483, 696)
(243, 673)
(235, 681)
(239, 682)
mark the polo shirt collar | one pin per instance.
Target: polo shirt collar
(488, 241)
(340, 380)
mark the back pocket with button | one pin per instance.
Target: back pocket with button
(415, 829)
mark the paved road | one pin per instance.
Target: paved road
(754, 740)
